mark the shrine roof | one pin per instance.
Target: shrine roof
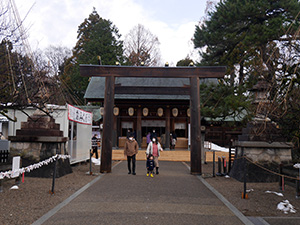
(96, 87)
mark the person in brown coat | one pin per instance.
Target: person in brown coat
(130, 150)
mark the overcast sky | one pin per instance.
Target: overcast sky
(56, 22)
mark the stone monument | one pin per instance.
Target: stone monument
(261, 142)
(39, 139)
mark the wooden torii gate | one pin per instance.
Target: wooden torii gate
(111, 72)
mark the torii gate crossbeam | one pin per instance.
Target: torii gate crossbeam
(193, 73)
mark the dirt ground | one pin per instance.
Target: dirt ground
(32, 200)
(259, 203)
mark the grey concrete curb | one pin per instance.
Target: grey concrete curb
(234, 210)
(46, 216)
(258, 220)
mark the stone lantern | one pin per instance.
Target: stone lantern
(261, 142)
(261, 101)
(261, 90)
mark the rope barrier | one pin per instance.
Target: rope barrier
(266, 169)
(22, 170)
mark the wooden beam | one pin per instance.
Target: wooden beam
(152, 90)
(134, 71)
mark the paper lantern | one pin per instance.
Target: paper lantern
(116, 111)
(131, 111)
(175, 112)
(160, 112)
(101, 111)
(145, 111)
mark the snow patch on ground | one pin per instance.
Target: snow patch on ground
(286, 207)
(15, 187)
(276, 193)
(96, 161)
(213, 147)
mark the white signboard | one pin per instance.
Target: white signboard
(180, 126)
(16, 166)
(79, 116)
(127, 125)
(153, 123)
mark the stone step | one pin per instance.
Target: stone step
(42, 125)
(39, 132)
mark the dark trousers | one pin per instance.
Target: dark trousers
(95, 150)
(129, 159)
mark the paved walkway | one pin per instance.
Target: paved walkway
(172, 197)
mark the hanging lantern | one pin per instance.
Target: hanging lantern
(145, 111)
(175, 112)
(160, 112)
(116, 111)
(101, 111)
(188, 112)
(131, 111)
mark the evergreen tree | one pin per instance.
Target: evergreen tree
(255, 39)
(185, 62)
(223, 102)
(239, 34)
(96, 37)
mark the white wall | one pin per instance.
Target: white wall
(83, 142)
(61, 117)
(60, 114)
(20, 116)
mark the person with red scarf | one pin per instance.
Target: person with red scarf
(154, 148)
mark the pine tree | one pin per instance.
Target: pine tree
(239, 34)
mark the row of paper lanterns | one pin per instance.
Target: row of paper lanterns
(160, 111)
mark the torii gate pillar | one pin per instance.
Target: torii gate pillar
(106, 152)
(196, 150)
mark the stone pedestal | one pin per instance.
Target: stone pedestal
(38, 139)
(265, 154)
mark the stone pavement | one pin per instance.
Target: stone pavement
(172, 197)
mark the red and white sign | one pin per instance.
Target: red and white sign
(79, 116)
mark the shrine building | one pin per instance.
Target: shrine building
(146, 107)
